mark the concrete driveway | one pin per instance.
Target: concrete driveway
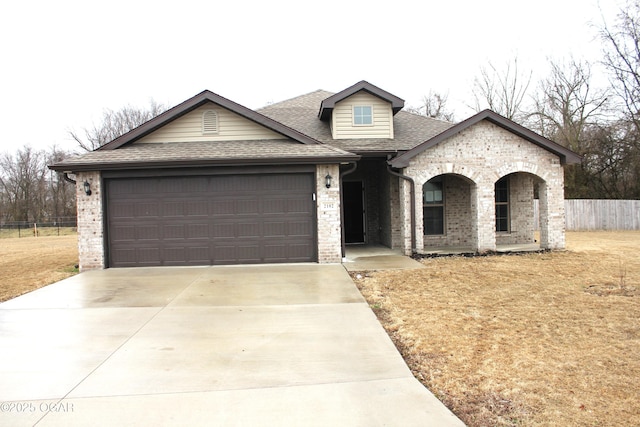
(234, 346)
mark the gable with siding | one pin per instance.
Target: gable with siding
(191, 127)
(342, 126)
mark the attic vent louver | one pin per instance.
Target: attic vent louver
(209, 122)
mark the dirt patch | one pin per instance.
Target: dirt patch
(30, 263)
(527, 340)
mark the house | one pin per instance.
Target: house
(212, 182)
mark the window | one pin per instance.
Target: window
(362, 115)
(502, 205)
(209, 122)
(433, 207)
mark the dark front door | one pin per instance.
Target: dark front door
(354, 212)
(208, 220)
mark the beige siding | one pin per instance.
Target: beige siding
(230, 127)
(342, 126)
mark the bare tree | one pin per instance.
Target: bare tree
(434, 105)
(569, 111)
(622, 58)
(61, 194)
(566, 104)
(116, 123)
(502, 91)
(23, 184)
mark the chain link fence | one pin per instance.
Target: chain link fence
(57, 227)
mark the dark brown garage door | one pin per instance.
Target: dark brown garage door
(207, 220)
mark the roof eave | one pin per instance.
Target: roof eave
(187, 163)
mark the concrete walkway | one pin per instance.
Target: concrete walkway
(277, 345)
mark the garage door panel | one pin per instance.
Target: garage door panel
(147, 232)
(146, 209)
(172, 208)
(174, 232)
(299, 229)
(248, 230)
(211, 220)
(196, 208)
(198, 231)
(123, 233)
(121, 210)
(275, 229)
(223, 231)
(148, 256)
(222, 207)
(247, 206)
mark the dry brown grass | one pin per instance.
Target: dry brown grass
(527, 340)
(27, 264)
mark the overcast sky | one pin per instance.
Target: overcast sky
(64, 62)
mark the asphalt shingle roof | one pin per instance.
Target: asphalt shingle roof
(301, 113)
(297, 119)
(206, 153)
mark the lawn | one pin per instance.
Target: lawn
(28, 263)
(524, 340)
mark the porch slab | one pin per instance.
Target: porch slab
(466, 250)
(377, 257)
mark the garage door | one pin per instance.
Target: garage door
(209, 220)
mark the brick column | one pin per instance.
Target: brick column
(328, 211)
(484, 215)
(90, 222)
(552, 221)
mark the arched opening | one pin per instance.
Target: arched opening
(447, 212)
(515, 210)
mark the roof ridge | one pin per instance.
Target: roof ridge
(427, 117)
(294, 97)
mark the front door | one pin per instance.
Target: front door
(354, 212)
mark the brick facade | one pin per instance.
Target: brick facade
(472, 161)
(90, 222)
(328, 211)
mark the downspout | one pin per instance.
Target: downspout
(412, 193)
(342, 174)
(66, 178)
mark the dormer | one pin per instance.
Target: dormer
(362, 111)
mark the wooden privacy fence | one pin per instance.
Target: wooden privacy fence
(589, 214)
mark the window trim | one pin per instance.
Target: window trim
(441, 204)
(506, 203)
(353, 115)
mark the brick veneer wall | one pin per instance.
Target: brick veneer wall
(328, 211)
(483, 154)
(90, 222)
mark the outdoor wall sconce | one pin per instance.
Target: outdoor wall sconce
(87, 188)
(327, 181)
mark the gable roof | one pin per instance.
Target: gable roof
(197, 101)
(566, 155)
(327, 105)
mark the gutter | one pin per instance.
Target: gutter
(342, 174)
(412, 192)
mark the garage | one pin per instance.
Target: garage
(210, 219)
